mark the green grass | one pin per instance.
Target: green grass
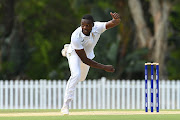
(99, 117)
(89, 117)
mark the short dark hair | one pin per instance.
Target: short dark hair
(88, 17)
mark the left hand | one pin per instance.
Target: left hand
(115, 16)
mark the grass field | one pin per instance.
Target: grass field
(88, 115)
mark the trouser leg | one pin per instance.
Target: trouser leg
(74, 65)
(79, 71)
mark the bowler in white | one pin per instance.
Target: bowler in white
(80, 53)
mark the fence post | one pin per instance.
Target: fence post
(31, 94)
(54, 94)
(178, 94)
(94, 94)
(84, 94)
(21, 94)
(113, 94)
(123, 94)
(16, 94)
(108, 94)
(99, 94)
(44, 95)
(59, 94)
(26, 94)
(133, 94)
(128, 94)
(138, 94)
(103, 80)
(118, 94)
(1, 94)
(49, 95)
(142, 94)
(173, 86)
(11, 94)
(89, 94)
(6, 94)
(37, 86)
(41, 94)
(168, 94)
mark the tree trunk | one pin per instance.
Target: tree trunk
(156, 43)
(145, 37)
(126, 31)
(160, 13)
(13, 44)
(7, 24)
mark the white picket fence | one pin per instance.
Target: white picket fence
(90, 94)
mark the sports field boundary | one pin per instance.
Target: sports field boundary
(22, 114)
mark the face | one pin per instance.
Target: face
(86, 26)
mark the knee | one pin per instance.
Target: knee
(75, 79)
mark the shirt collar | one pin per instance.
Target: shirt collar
(83, 36)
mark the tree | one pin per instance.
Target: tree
(174, 43)
(32, 35)
(155, 41)
(13, 44)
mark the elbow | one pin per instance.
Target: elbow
(85, 61)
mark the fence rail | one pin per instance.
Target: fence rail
(90, 94)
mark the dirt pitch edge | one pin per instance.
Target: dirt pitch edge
(88, 113)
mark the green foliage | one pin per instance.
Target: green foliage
(173, 65)
(135, 60)
(174, 43)
(112, 53)
(49, 25)
(174, 18)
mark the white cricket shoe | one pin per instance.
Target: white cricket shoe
(65, 110)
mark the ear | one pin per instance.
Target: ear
(93, 24)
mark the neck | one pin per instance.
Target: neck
(86, 34)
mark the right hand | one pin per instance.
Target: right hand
(115, 16)
(109, 68)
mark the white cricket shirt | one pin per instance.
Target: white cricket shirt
(81, 41)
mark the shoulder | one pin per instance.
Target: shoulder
(99, 26)
(98, 23)
(75, 39)
(76, 32)
(76, 35)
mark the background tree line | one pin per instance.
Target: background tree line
(32, 34)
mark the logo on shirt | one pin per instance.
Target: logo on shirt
(82, 40)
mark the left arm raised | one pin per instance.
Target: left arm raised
(114, 22)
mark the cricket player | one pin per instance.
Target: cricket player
(80, 53)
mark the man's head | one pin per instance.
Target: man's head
(87, 22)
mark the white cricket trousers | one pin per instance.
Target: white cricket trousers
(79, 71)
